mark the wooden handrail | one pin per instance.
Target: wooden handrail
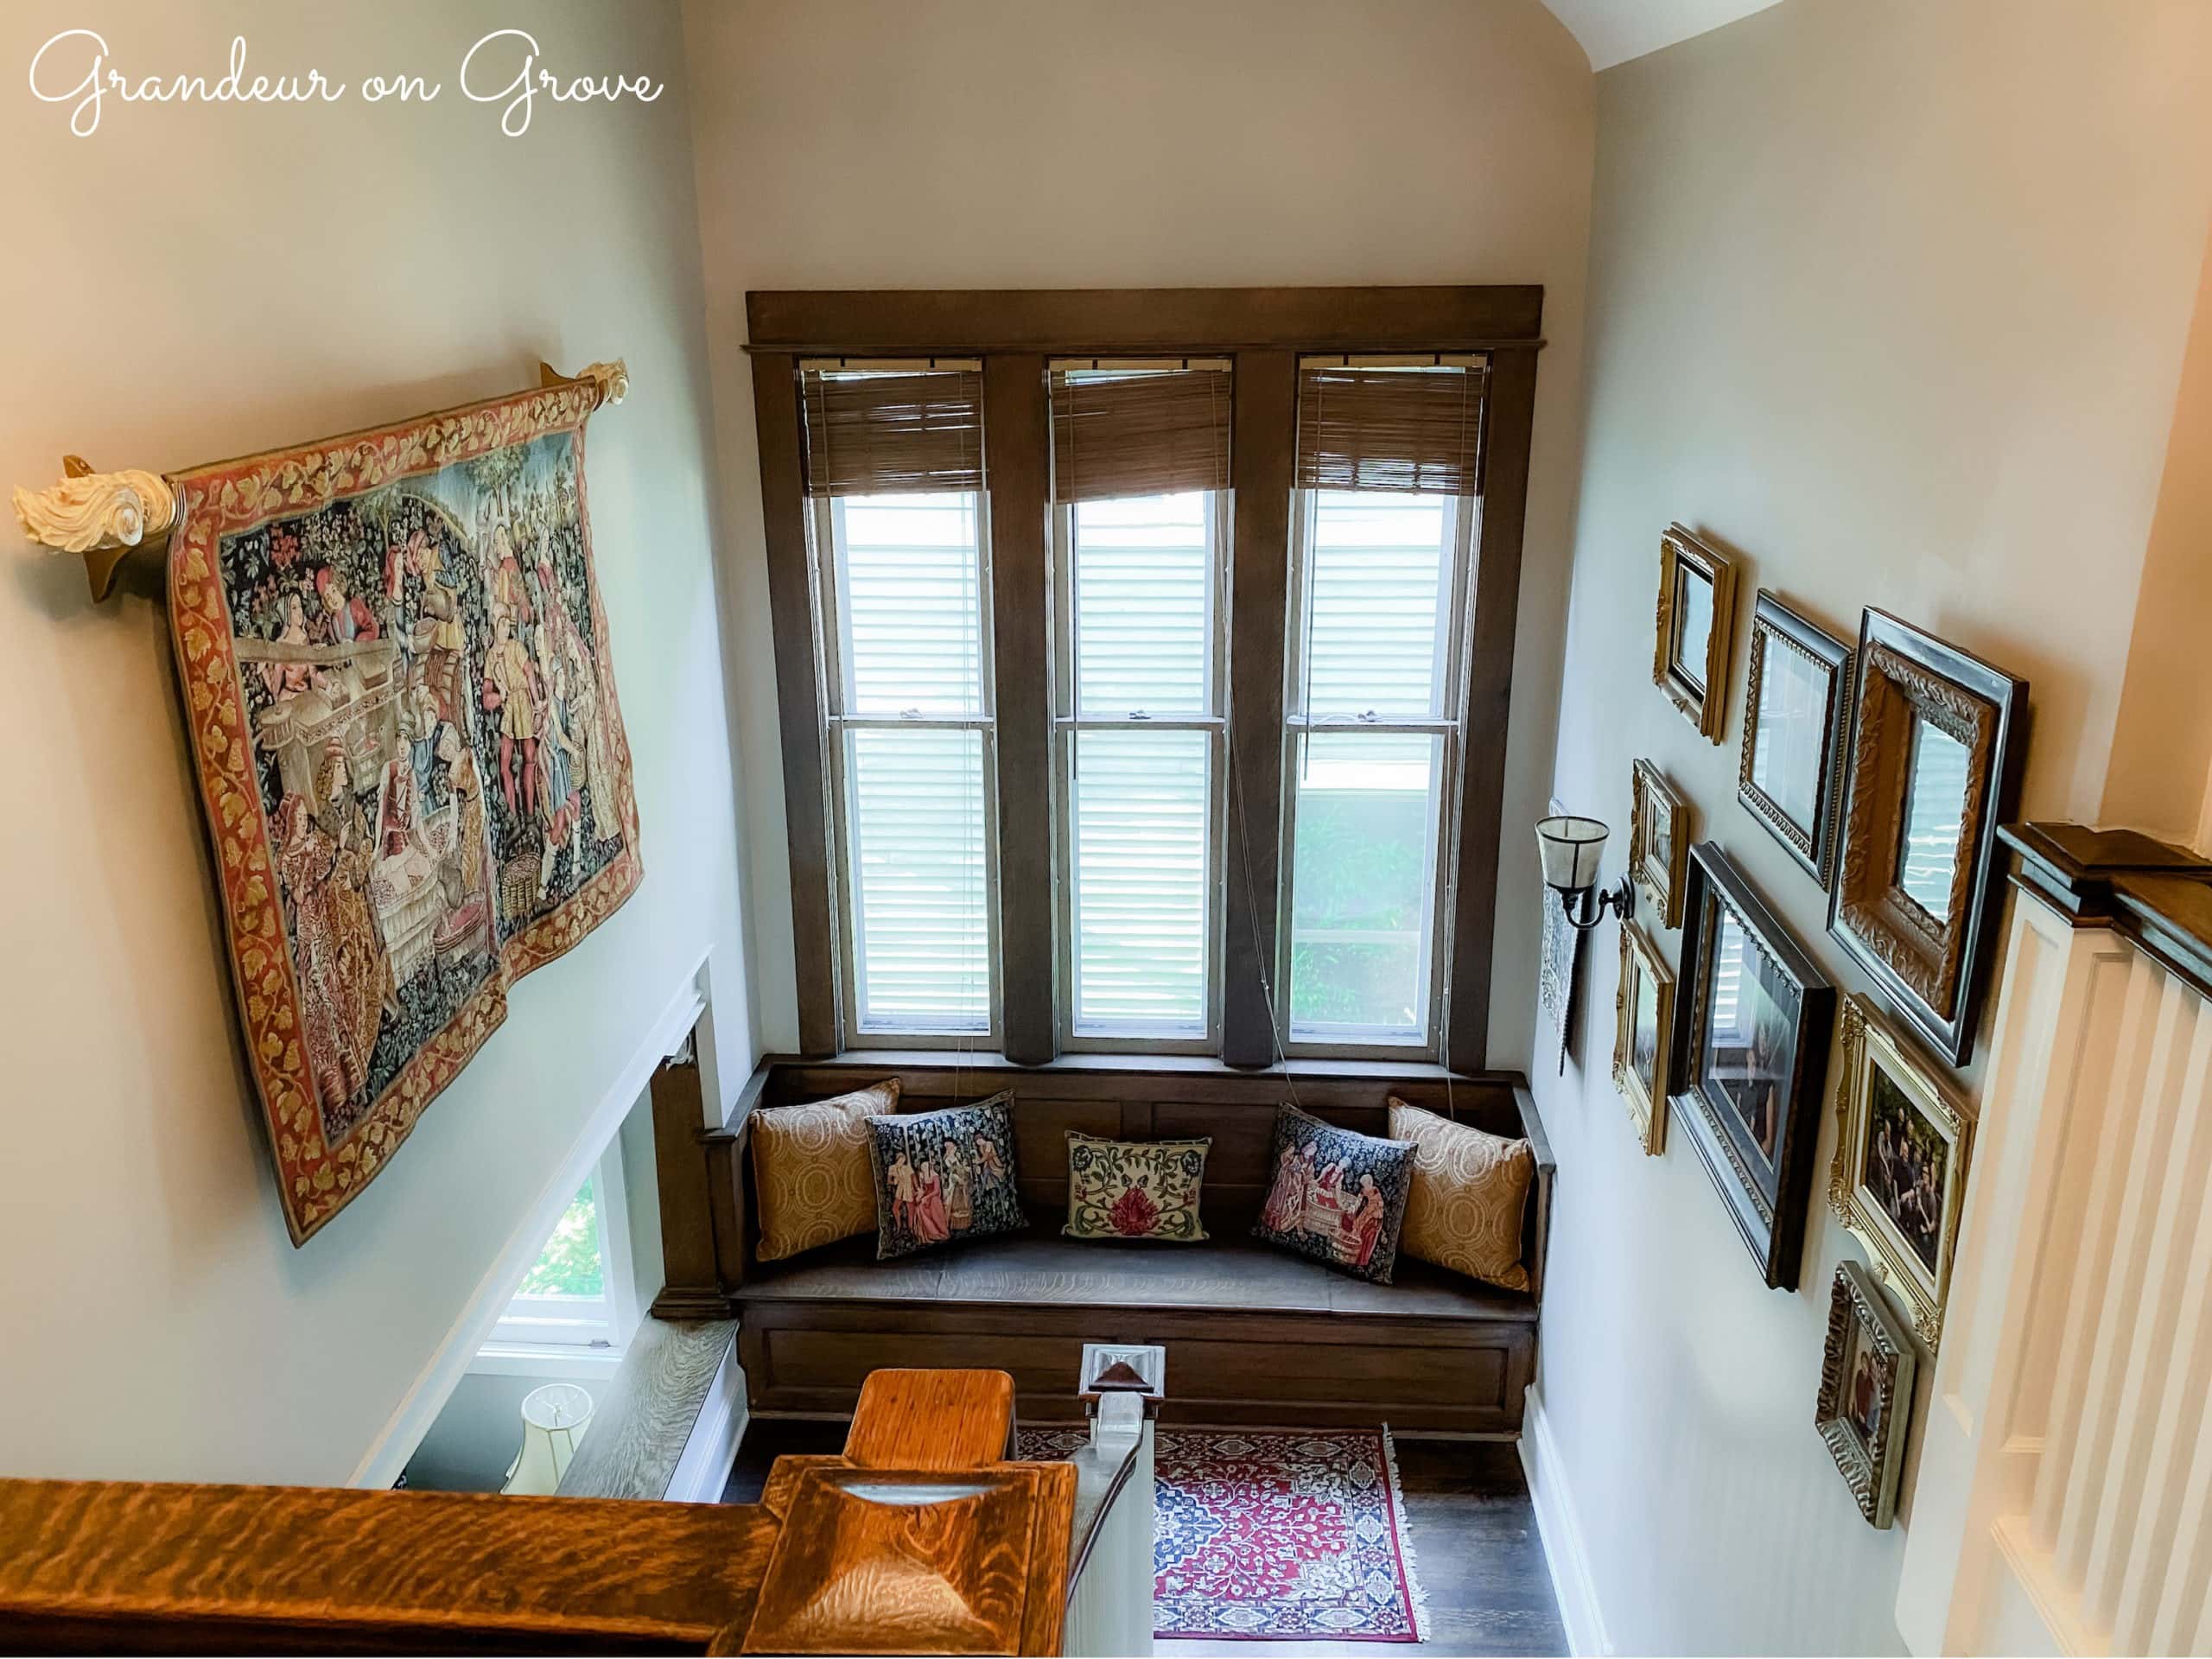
(922, 1539)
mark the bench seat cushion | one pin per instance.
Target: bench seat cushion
(1035, 1270)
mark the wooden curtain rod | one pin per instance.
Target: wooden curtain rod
(101, 516)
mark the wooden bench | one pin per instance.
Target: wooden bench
(1255, 1336)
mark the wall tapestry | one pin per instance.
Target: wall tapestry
(397, 680)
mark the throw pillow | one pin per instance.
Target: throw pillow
(943, 1176)
(1470, 1193)
(1135, 1188)
(1336, 1196)
(811, 1175)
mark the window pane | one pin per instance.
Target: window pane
(1362, 885)
(921, 932)
(570, 1264)
(1378, 603)
(1143, 633)
(1142, 835)
(910, 604)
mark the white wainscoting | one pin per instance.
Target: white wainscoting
(2064, 1496)
(1559, 1528)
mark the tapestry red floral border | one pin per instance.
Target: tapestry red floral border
(397, 677)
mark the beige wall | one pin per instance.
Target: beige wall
(1008, 143)
(1890, 298)
(2161, 775)
(191, 282)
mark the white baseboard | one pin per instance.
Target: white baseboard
(1560, 1529)
(419, 1407)
(703, 1470)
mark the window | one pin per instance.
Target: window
(576, 1306)
(1139, 583)
(910, 739)
(1372, 740)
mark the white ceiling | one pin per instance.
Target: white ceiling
(1613, 31)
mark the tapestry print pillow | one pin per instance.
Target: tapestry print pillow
(1469, 1193)
(1336, 1196)
(943, 1176)
(812, 1171)
(1135, 1188)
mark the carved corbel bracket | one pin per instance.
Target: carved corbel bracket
(99, 515)
(612, 379)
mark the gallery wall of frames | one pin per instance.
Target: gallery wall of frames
(1883, 767)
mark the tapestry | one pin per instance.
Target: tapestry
(943, 1177)
(1335, 1195)
(397, 680)
(1267, 1536)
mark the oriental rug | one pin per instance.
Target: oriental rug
(396, 677)
(1271, 1536)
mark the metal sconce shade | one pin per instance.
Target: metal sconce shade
(1569, 847)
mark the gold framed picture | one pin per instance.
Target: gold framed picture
(1697, 619)
(1658, 841)
(1937, 743)
(1899, 1173)
(1866, 1374)
(1644, 1011)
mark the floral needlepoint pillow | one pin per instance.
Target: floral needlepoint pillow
(1135, 1188)
(943, 1176)
(1335, 1195)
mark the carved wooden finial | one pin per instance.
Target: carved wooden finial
(100, 516)
(612, 379)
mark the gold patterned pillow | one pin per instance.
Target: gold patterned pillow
(1470, 1193)
(812, 1171)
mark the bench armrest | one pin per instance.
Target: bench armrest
(1537, 1229)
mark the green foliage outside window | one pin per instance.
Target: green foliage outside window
(569, 1265)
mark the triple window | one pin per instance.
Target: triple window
(1143, 574)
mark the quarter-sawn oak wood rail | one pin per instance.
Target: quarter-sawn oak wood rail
(922, 1539)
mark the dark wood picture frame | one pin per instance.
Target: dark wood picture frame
(1931, 969)
(1656, 809)
(1017, 333)
(1764, 1187)
(1864, 1328)
(1774, 627)
(1699, 689)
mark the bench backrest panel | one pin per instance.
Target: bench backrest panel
(1161, 1102)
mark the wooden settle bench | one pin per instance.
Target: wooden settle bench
(1255, 1336)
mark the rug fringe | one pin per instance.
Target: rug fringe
(1416, 1593)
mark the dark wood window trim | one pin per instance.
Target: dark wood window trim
(1016, 332)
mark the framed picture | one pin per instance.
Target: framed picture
(1645, 1010)
(1935, 768)
(1866, 1374)
(1562, 949)
(1697, 619)
(1658, 841)
(1902, 1143)
(1797, 691)
(1750, 1051)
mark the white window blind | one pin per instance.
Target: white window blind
(1372, 737)
(910, 720)
(1140, 738)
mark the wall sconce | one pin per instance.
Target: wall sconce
(1569, 847)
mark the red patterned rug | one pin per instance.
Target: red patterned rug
(1269, 1536)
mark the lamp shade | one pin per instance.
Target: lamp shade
(1569, 847)
(554, 1418)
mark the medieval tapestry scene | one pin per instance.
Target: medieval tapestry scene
(419, 675)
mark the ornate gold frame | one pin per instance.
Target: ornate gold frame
(1775, 622)
(1870, 1472)
(1661, 879)
(1647, 1111)
(1869, 1041)
(1706, 708)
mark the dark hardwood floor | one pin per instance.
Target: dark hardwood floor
(1474, 1535)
